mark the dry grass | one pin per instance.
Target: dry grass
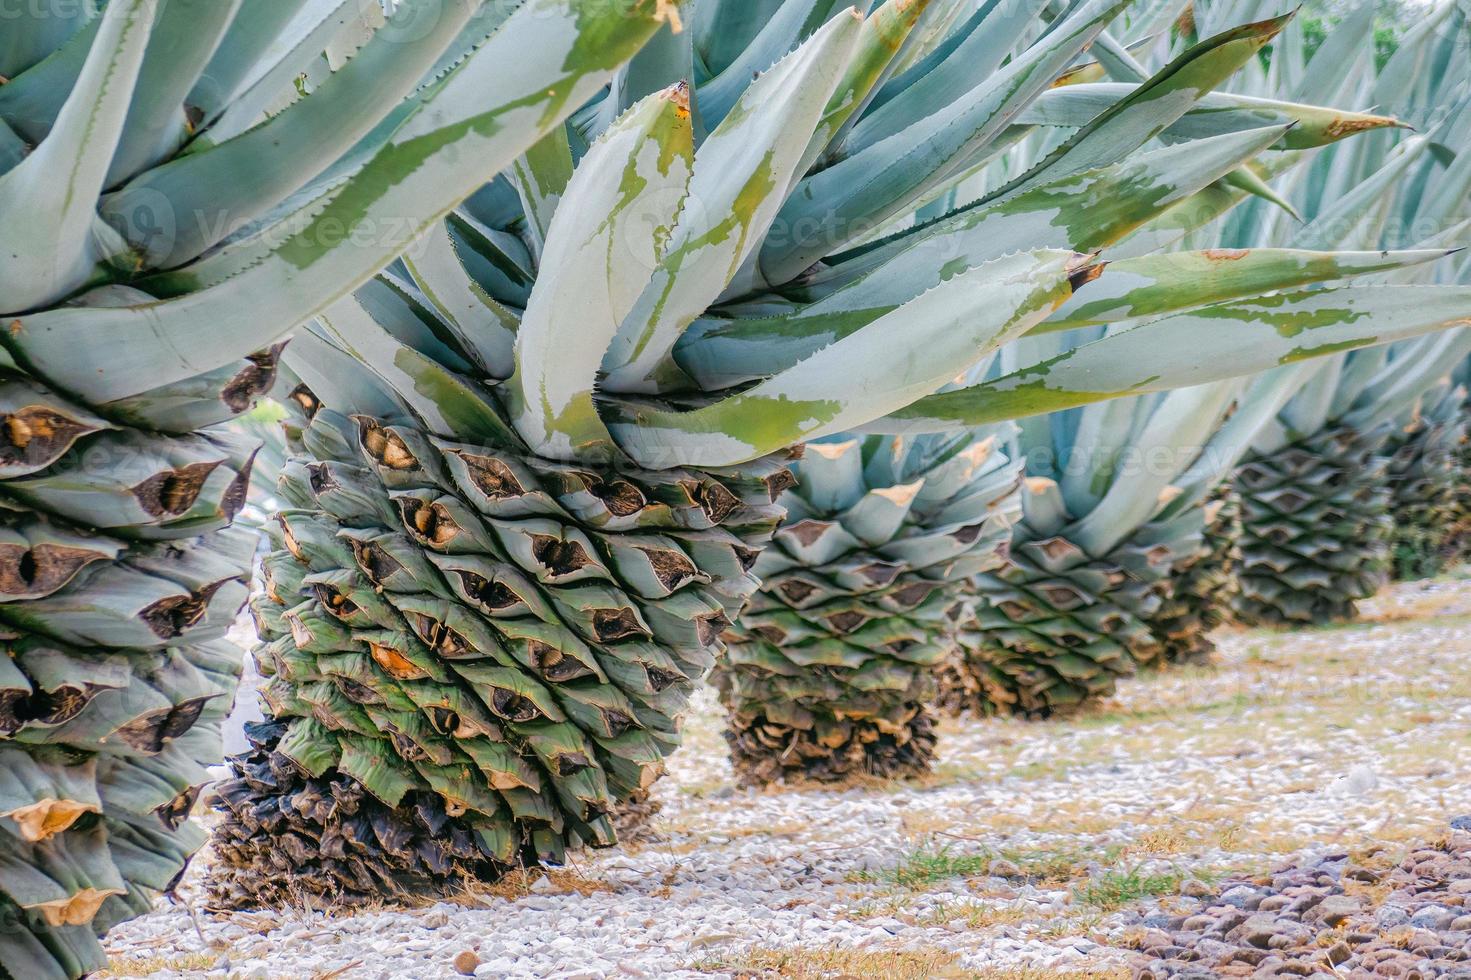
(827, 962)
(518, 884)
(759, 963)
(147, 966)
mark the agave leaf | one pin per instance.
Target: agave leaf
(861, 192)
(51, 235)
(540, 177)
(1089, 216)
(740, 174)
(1390, 396)
(854, 379)
(792, 22)
(968, 59)
(884, 33)
(279, 59)
(723, 28)
(1084, 212)
(1340, 53)
(540, 64)
(211, 193)
(484, 328)
(1157, 284)
(32, 102)
(1214, 114)
(185, 35)
(1146, 111)
(1264, 398)
(1182, 422)
(253, 31)
(31, 32)
(1356, 218)
(608, 236)
(1195, 348)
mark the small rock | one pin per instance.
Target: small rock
(1338, 952)
(1462, 924)
(1195, 888)
(1462, 822)
(1258, 930)
(434, 919)
(1433, 917)
(1242, 897)
(1336, 908)
(1002, 868)
(1391, 917)
(1357, 782)
(465, 962)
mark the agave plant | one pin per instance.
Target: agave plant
(525, 513)
(1424, 473)
(1121, 504)
(182, 185)
(830, 670)
(1318, 496)
(1318, 523)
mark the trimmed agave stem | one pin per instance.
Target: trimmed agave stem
(830, 670)
(1317, 528)
(1055, 629)
(119, 576)
(1204, 586)
(475, 656)
(1424, 471)
(1460, 538)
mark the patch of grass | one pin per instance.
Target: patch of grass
(760, 963)
(928, 864)
(149, 965)
(1113, 890)
(973, 915)
(1090, 973)
(825, 962)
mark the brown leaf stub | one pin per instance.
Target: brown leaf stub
(173, 492)
(172, 617)
(42, 569)
(378, 565)
(672, 568)
(150, 733)
(395, 663)
(386, 448)
(37, 435)
(558, 556)
(305, 400)
(430, 523)
(77, 910)
(554, 665)
(253, 380)
(493, 595)
(715, 499)
(49, 817)
(492, 476)
(612, 625)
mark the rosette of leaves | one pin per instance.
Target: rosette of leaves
(831, 668)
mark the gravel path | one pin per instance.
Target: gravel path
(1032, 851)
